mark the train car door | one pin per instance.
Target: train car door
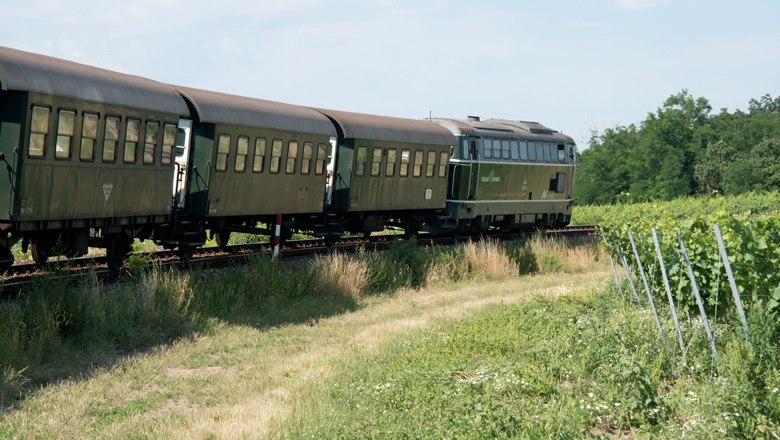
(473, 173)
(182, 161)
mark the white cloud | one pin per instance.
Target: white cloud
(640, 5)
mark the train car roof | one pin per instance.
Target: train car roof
(222, 108)
(502, 128)
(27, 71)
(386, 128)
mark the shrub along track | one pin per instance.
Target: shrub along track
(240, 381)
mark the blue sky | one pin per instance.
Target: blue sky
(575, 66)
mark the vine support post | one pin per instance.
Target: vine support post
(727, 264)
(628, 273)
(612, 263)
(668, 291)
(644, 281)
(695, 289)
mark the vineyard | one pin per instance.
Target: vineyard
(750, 228)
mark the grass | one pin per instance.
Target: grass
(222, 354)
(567, 367)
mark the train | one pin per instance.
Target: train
(97, 158)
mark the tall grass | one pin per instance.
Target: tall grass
(58, 329)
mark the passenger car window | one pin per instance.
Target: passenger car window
(322, 152)
(430, 165)
(39, 128)
(360, 161)
(257, 165)
(417, 165)
(443, 159)
(306, 160)
(169, 139)
(131, 139)
(276, 155)
(390, 165)
(242, 149)
(376, 159)
(150, 141)
(65, 130)
(404, 170)
(223, 149)
(89, 126)
(110, 138)
(292, 156)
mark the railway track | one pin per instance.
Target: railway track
(25, 274)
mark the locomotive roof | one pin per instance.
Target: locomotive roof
(502, 128)
(386, 128)
(222, 108)
(27, 71)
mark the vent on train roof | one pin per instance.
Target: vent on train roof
(533, 127)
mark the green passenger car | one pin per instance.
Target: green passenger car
(250, 159)
(388, 171)
(87, 155)
(509, 175)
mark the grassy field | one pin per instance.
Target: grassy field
(228, 355)
(479, 341)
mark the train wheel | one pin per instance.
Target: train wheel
(223, 237)
(117, 248)
(40, 253)
(411, 227)
(185, 252)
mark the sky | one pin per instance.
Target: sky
(573, 65)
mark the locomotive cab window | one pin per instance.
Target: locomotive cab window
(292, 156)
(242, 149)
(89, 128)
(223, 148)
(39, 128)
(131, 139)
(257, 165)
(561, 153)
(515, 150)
(523, 150)
(276, 156)
(505, 154)
(169, 139)
(150, 141)
(308, 152)
(67, 119)
(110, 138)
(487, 148)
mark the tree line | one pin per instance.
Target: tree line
(683, 149)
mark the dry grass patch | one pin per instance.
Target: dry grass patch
(488, 259)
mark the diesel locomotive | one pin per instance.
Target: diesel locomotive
(95, 158)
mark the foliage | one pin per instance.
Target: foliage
(682, 149)
(752, 242)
